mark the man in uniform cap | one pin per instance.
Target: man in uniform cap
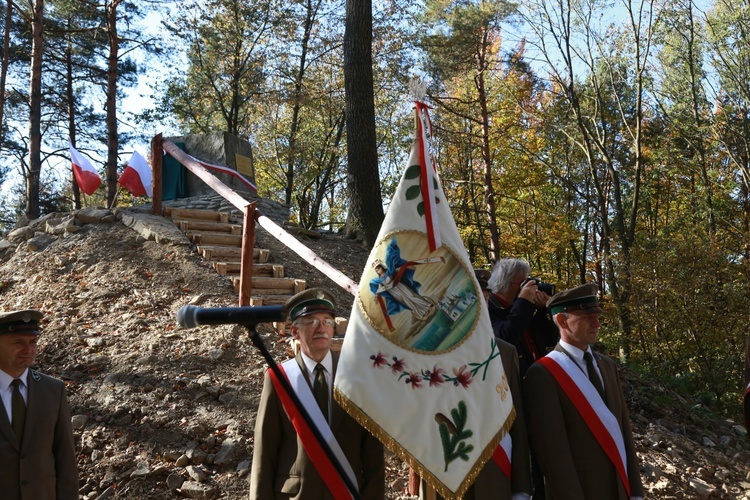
(37, 449)
(282, 467)
(578, 420)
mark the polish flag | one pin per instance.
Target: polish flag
(86, 176)
(136, 177)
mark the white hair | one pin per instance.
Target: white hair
(503, 273)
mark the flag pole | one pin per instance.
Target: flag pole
(258, 342)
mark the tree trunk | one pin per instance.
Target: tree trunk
(291, 157)
(112, 144)
(71, 115)
(364, 180)
(35, 113)
(489, 190)
(4, 69)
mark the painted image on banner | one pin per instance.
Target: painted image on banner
(416, 299)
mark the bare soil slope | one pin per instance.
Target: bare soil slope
(165, 412)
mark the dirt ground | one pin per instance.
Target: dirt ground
(165, 412)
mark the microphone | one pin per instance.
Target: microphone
(192, 316)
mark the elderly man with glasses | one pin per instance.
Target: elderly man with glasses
(282, 467)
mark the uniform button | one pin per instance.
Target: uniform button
(24, 482)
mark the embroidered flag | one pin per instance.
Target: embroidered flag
(419, 367)
(136, 177)
(86, 176)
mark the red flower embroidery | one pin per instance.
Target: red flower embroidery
(435, 376)
(378, 360)
(398, 365)
(415, 380)
(462, 377)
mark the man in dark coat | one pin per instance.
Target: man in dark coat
(37, 450)
(577, 417)
(281, 466)
(518, 313)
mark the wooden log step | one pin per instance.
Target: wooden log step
(262, 285)
(233, 268)
(269, 300)
(211, 238)
(223, 253)
(197, 214)
(186, 225)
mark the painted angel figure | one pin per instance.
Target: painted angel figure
(395, 287)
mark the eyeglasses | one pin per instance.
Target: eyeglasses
(316, 322)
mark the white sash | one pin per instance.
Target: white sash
(302, 389)
(507, 445)
(608, 420)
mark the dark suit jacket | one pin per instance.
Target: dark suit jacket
(511, 324)
(44, 465)
(281, 468)
(574, 465)
(491, 481)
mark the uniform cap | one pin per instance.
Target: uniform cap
(26, 321)
(580, 298)
(314, 300)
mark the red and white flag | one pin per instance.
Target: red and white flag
(86, 176)
(136, 177)
(420, 367)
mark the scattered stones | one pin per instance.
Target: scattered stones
(159, 411)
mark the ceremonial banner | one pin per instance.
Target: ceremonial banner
(419, 366)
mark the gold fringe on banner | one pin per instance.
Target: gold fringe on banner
(393, 445)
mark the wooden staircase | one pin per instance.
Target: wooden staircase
(219, 241)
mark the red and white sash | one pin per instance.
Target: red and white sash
(581, 392)
(314, 450)
(502, 454)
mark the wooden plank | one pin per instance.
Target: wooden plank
(227, 253)
(230, 268)
(219, 252)
(197, 214)
(311, 257)
(271, 286)
(201, 225)
(211, 238)
(269, 300)
(263, 255)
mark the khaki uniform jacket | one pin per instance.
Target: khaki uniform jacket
(491, 481)
(44, 465)
(281, 468)
(574, 465)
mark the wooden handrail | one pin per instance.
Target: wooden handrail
(251, 215)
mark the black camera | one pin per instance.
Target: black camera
(547, 288)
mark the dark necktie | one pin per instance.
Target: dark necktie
(593, 376)
(18, 409)
(320, 389)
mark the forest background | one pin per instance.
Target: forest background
(600, 141)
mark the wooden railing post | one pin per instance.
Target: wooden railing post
(246, 259)
(156, 158)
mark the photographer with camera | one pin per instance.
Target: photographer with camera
(518, 312)
(519, 316)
